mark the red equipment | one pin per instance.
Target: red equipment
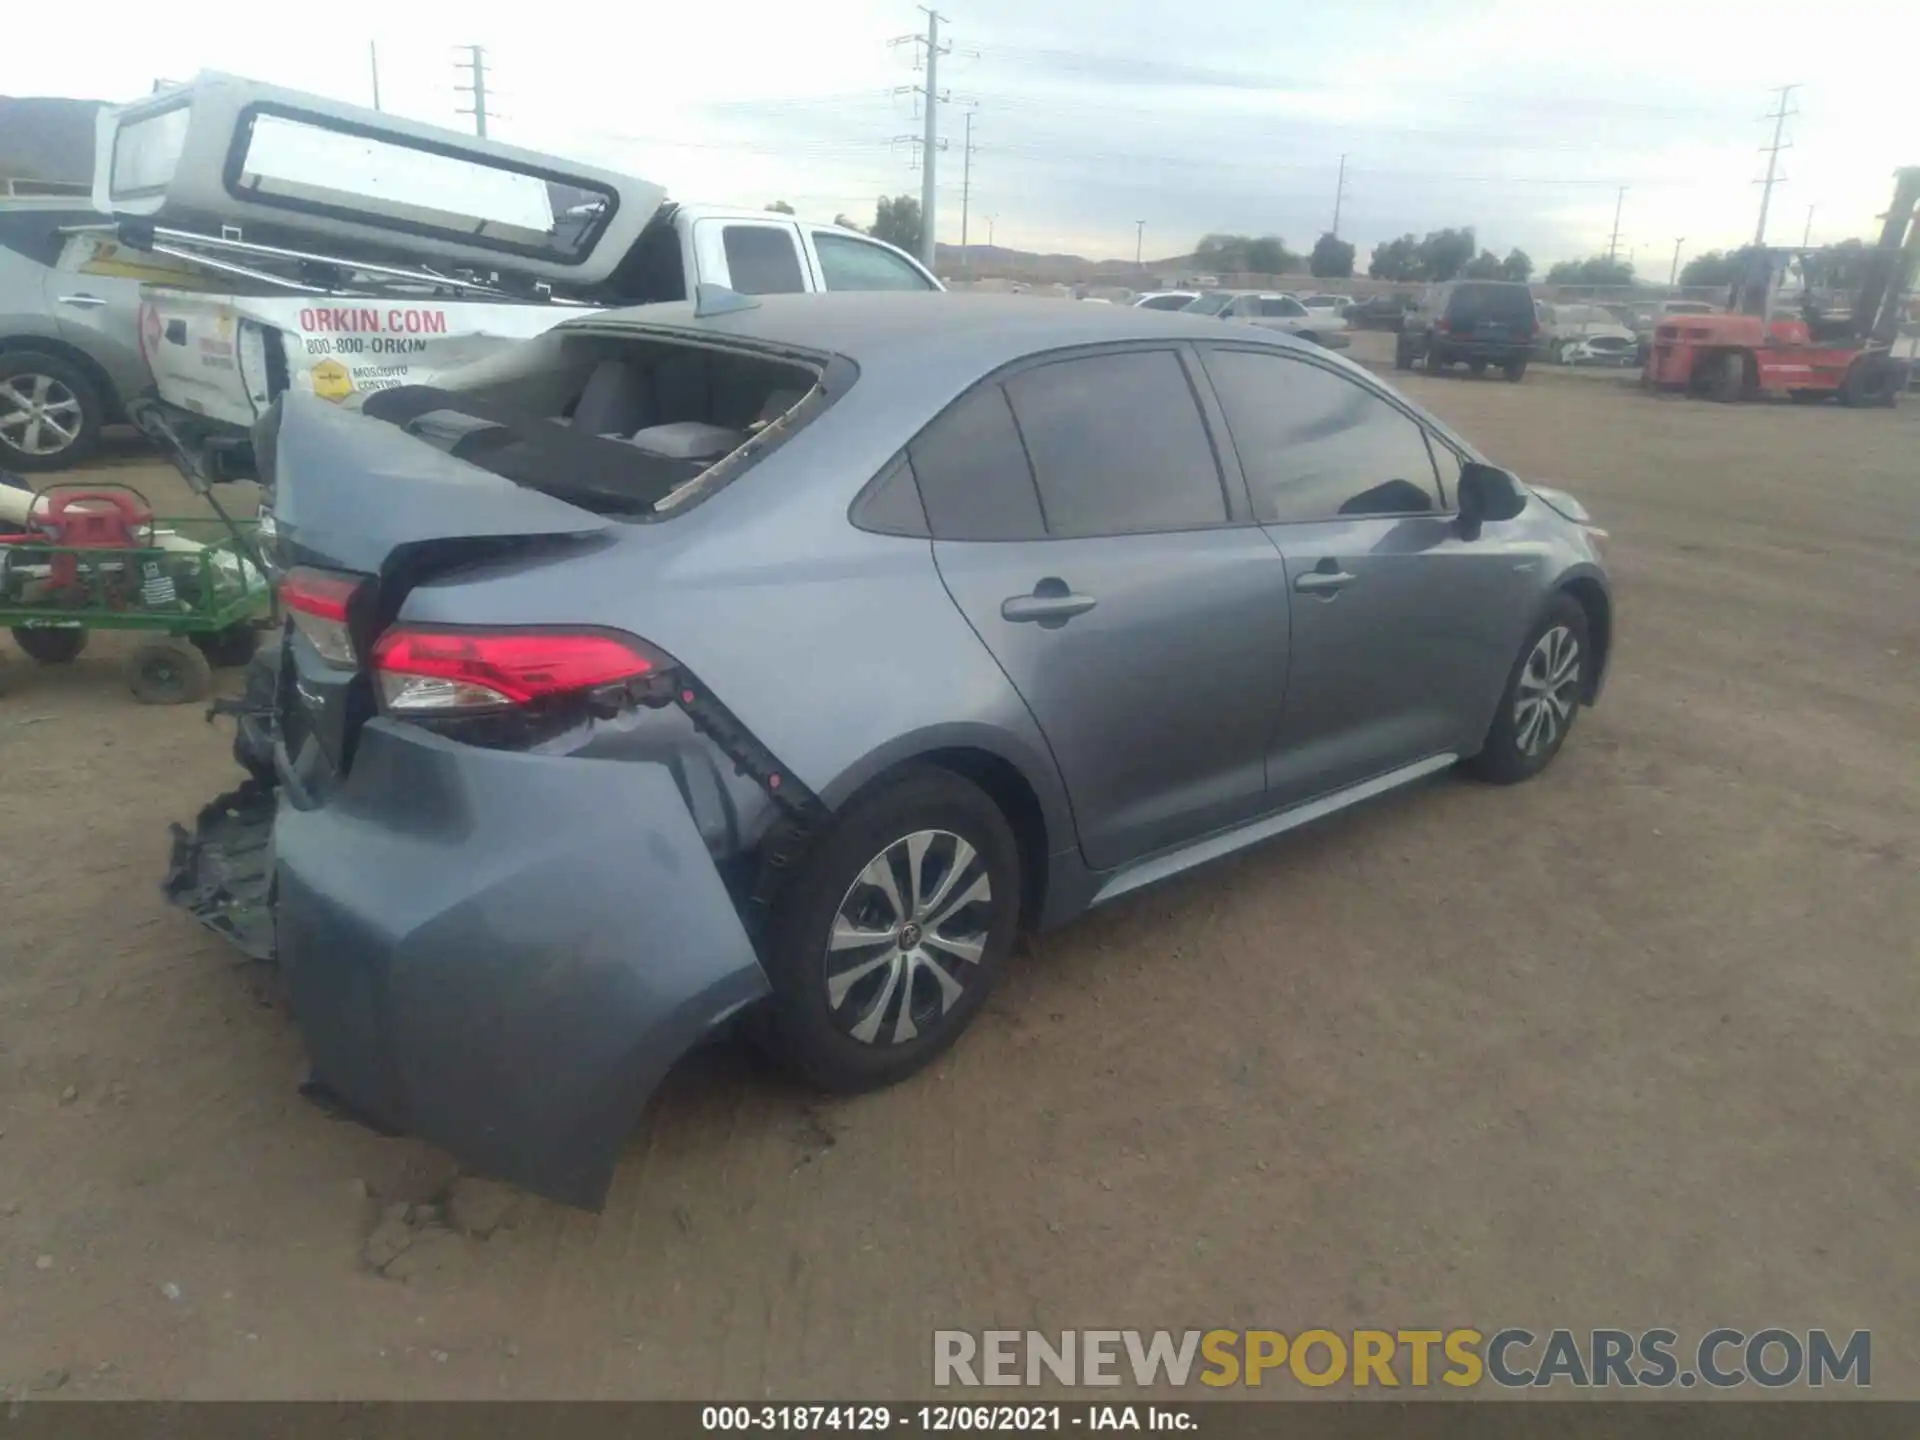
(112, 518)
(1755, 348)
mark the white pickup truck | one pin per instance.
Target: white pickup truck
(368, 252)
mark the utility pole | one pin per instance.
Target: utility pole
(1139, 234)
(966, 190)
(1806, 235)
(476, 62)
(1613, 241)
(1779, 118)
(1674, 273)
(1339, 193)
(373, 62)
(929, 139)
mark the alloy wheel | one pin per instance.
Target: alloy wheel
(907, 936)
(1548, 691)
(38, 414)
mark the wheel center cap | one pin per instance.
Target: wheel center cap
(909, 935)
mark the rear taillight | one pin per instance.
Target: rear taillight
(449, 670)
(317, 601)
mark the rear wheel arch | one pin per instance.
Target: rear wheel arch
(1003, 780)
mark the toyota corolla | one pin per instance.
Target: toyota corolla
(785, 658)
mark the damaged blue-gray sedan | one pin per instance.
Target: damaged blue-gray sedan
(788, 657)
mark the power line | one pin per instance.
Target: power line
(476, 64)
(1779, 118)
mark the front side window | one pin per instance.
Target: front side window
(850, 264)
(1118, 445)
(763, 260)
(1315, 445)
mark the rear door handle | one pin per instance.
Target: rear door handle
(1323, 582)
(1050, 605)
(84, 302)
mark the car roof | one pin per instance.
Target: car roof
(944, 332)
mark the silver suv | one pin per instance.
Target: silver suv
(69, 342)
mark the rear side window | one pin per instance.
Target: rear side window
(1317, 446)
(974, 479)
(1472, 302)
(36, 233)
(1118, 445)
(1280, 305)
(850, 264)
(763, 260)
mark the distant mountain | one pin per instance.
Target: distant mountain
(1051, 268)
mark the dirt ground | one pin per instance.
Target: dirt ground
(1632, 1045)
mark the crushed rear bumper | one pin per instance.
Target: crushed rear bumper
(501, 953)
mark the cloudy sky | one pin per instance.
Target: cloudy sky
(1091, 116)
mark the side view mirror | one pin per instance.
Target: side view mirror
(1489, 493)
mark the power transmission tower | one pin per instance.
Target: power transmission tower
(476, 62)
(1779, 118)
(1613, 241)
(931, 51)
(1339, 193)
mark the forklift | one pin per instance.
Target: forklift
(1770, 341)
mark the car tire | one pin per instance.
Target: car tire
(1436, 362)
(1402, 354)
(1870, 384)
(1548, 680)
(169, 672)
(1515, 371)
(59, 392)
(854, 1015)
(50, 644)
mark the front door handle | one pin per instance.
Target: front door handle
(84, 302)
(1050, 605)
(1323, 582)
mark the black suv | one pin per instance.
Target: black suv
(1480, 322)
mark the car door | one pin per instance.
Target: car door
(1403, 624)
(1082, 523)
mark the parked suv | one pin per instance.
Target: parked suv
(69, 343)
(1479, 322)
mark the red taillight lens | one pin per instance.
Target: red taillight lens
(441, 670)
(317, 601)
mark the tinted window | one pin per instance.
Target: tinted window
(1474, 301)
(1166, 302)
(1280, 305)
(849, 264)
(973, 473)
(762, 260)
(1118, 445)
(1316, 445)
(1210, 304)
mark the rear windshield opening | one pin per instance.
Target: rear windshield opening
(620, 426)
